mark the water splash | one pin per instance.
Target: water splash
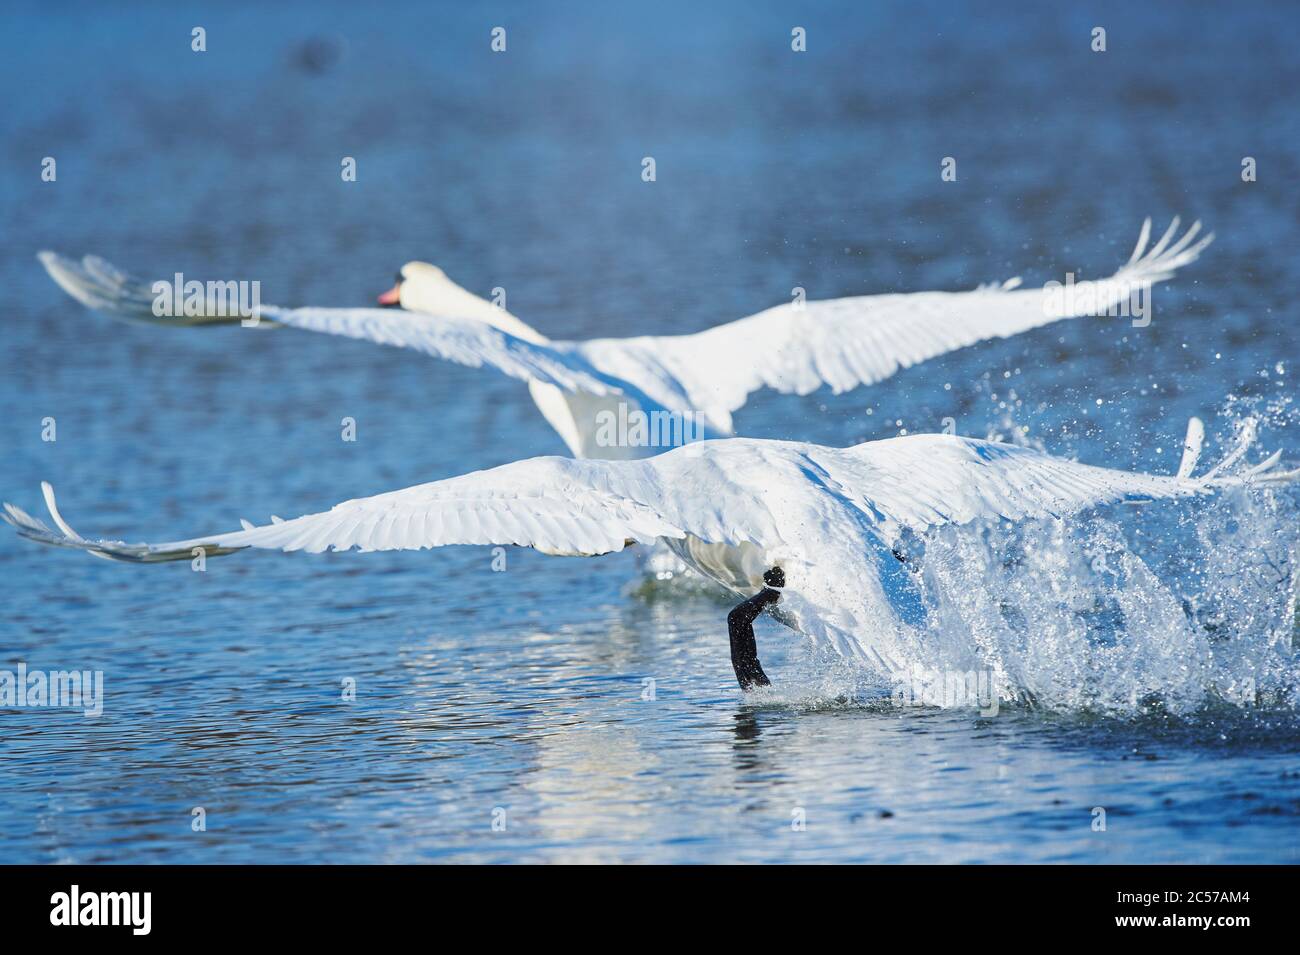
(1173, 606)
(1167, 608)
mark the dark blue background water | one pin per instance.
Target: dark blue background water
(523, 690)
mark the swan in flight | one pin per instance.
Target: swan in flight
(621, 398)
(801, 531)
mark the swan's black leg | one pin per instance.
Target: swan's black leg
(740, 628)
(744, 650)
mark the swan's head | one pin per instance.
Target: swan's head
(417, 283)
(422, 287)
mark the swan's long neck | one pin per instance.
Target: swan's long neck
(429, 290)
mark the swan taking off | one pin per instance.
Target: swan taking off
(802, 531)
(682, 385)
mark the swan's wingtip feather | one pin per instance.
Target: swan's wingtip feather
(52, 505)
(1162, 260)
(1143, 238)
(47, 492)
(17, 517)
(1193, 443)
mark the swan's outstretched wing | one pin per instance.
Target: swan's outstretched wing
(732, 491)
(105, 288)
(929, 480)
(848, 342)
(556, 505)
(463, 341)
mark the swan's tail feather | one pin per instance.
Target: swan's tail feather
(103, 287)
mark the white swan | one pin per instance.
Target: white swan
(676, 381)
(741, 511)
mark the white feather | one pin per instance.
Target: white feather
(840, 343)
(730, 508)
(1192, 445)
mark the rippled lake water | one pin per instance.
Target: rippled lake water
(591, 717)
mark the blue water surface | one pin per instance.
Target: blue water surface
(521, 697)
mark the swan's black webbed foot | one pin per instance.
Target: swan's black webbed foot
(740, 628)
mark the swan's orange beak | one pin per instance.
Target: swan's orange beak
(393, 296)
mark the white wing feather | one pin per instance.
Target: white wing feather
(107, 289)
(463, 341)
(925, 481)
(552, 504)
(103, 287)
(843, 343)
(466, 341)
(735, 491)
(848, 342)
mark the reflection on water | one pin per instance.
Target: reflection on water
(552, 726)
